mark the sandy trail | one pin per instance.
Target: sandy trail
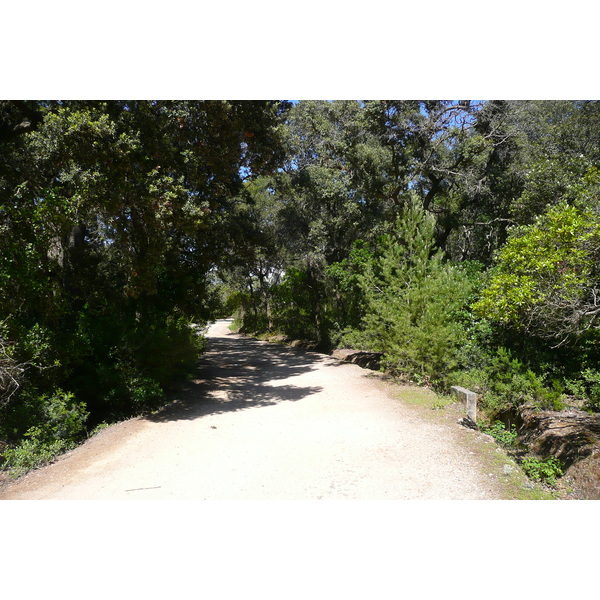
(263, 421)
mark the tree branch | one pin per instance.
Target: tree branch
(24, 120)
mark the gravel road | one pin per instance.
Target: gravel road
(264, 421)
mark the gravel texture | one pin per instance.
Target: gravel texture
(264, 421)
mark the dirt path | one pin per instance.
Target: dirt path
(263, 421)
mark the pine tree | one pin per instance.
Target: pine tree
(413, 302)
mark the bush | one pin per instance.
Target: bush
(545, 276)
(413, 303)
(31, 453)
(145, 392)
(123, 365)
(166, 348)
(546, 470)
(505, 383)
(587, 388)
(505, 437)
(65, 418)
(295, 305)
(11, 373)
(61, 426)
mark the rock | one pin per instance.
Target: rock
(304, 344)
(343, 353)
(367, 360)
(571, 436)
(277, 339)
(508, 469)
(584, 476)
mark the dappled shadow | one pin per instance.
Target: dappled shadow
(237, 373)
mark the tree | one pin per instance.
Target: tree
(113, 215)
(413, 299)
(557, 146)
(353, 166)
(254, 257)
(547, 279)
(457, 156)
(317, 208)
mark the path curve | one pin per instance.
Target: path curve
(263, 421)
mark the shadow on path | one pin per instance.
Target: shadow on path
(237, 373)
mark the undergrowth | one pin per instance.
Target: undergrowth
(545, 470)
(61, 427)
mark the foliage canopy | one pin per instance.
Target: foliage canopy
(458, 238)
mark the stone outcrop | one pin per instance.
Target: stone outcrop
(306, 344)
(583, 477)
(367, 360)
(571, 436)
(567, 435)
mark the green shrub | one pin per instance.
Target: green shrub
(61, 426)
(65, 418)
(121, 364)
(295, 303)
(413, 303)
(504, 383)
(546, 470)
(505, 437)
(32, 452)
(145, 392)
(587, 388)
(165, 349)
(543, 279)
(98, 428)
